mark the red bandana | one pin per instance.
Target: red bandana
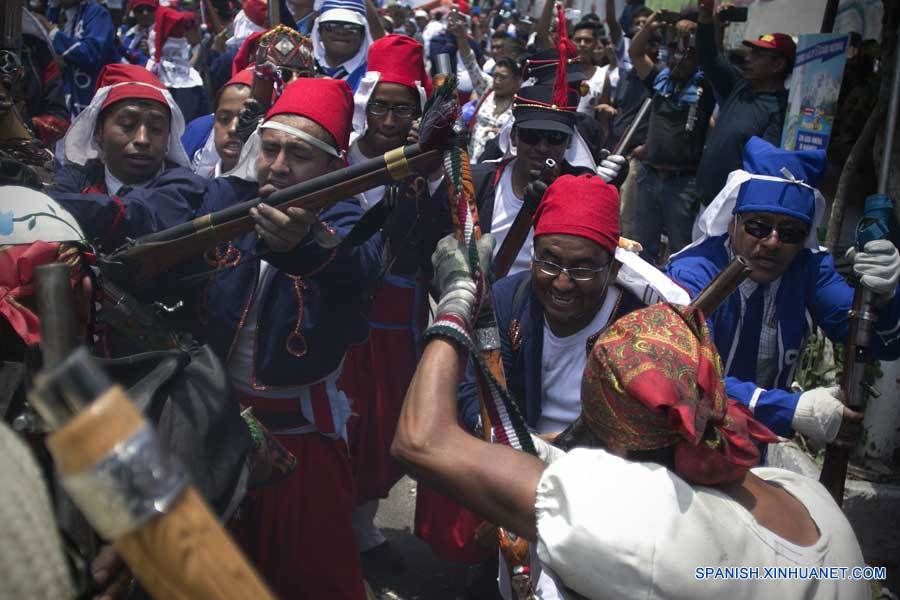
(654, 380)
(17, 266)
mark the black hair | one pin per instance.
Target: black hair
(510, 64)
(585, 25)
(591, 17)
(642, 12)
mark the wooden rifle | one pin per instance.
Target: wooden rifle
(110, 462)
(139, 261)
(707, 301)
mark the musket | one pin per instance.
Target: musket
(139, 261)
(623, 142)
(112, 465)
(521, 226)
(707, 301)
(874, 225)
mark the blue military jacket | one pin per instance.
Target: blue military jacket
(520, 319)
(87, 44)
(810, 287)
(313, 308)
(171, 198)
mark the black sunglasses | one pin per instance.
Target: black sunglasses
(339, 27)
(787, 234)
(532, 137)
(145, 10)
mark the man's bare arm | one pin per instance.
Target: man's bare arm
(543, 25)
(615, 30)
(496, 482)
(638, 49)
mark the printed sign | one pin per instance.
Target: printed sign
(815, 86)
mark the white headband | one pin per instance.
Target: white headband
(303, 136)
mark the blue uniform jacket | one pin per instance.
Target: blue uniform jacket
(168, 200)
(314, 307)
(90, 46)
(196, 133)
(811, 286)
(520, 319)
(130, 50)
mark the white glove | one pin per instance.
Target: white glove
(454, 279)
(877, 266)
(610, 167)
(818, 415)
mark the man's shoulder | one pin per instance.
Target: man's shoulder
(508, 292)
(702, 261)
(177, 174)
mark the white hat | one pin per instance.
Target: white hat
(29, 216)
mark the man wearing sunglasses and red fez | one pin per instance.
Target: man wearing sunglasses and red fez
(171, 60)
(768, 212)
(281, 309)
(341, 40)
(134, 42)
(125, 173)
(390, 97)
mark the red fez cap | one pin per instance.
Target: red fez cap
(257, 11)
(244, 77)
(328, 102)
(154, 4)
(399, 59)
(580, 205)
(170, 24)
(246, 54)
(142, 84)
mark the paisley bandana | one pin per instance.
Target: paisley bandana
(654, 380)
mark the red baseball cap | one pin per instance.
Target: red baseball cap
(781, 43)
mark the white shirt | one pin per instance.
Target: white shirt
(114, 184)
(506, 207)
(595, 89)
(562, 366)
(372, 196)
(611, 528)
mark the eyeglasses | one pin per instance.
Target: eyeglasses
(146, 10)
(786, 233)
(553, 270)
(341, 28)
(401, 111)
(532, 137)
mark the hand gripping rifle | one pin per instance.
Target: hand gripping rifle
(874, 225)
(111, 463)
(139, 261)
(707, 301)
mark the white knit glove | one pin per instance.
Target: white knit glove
(877, 266)
(453, 278)
(610, 166)
(818, 414)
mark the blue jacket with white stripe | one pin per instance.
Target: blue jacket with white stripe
(809, 288)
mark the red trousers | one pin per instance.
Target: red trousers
(297, 531)
(448, 528)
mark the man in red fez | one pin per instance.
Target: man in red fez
(125, 172)
(282, 308)
(134, 44)
(390, 99)
(668, 488)
(578, 283)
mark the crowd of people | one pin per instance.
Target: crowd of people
(324, 353)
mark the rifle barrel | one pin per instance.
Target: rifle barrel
(629, 133)
(728, 279)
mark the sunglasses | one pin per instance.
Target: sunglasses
(402, 111)
(786, 233)
(144, 10)
(532, 137)
(553, 270)
(341, 28)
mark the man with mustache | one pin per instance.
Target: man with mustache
(769, 213)
(282, 307)
(125, 172)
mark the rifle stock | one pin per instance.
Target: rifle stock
(148, 256)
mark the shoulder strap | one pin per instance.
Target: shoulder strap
(519, 294)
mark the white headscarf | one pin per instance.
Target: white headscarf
(79, 146)
(361, 99)
(714, 220)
